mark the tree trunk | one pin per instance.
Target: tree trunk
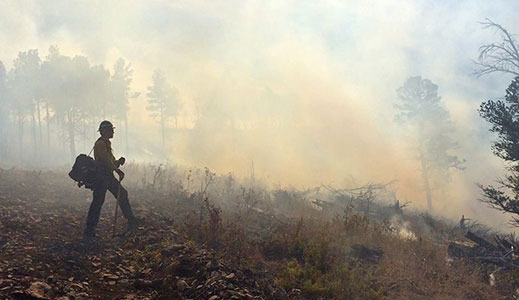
(34, 135)
(126, 132)
(7, 136)
(71, 137)
(425, 176)
(162, 127)
(61, 133)
(3, 138)
(48, 126)
(163, 135)
(38, 110)
(3, 134)
(20, 135)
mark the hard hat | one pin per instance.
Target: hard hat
(105, 124)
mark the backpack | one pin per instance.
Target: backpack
(84, 171)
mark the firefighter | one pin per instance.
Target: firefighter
(105, 180)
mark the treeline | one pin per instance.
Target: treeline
(49, 105)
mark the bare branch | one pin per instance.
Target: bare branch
(503, 57)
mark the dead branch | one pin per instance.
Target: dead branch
(498, 57)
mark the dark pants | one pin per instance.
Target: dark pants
(103, 184)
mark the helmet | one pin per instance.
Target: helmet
(105, 124)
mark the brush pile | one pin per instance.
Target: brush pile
(502, 254)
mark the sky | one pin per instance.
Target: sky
(330, 69)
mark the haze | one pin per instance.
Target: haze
(298, 92)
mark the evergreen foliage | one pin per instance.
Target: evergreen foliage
(421, 111)
(60, 99)
(163, 101)
(503, 115)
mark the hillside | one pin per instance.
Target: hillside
(214, 237)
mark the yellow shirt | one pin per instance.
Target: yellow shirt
(103, 154)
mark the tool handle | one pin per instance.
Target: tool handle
(117, 205)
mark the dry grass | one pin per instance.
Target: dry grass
(282, 233)
(311, 250)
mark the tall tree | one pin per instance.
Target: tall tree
(77, 92)
(87, 90)
(163, 101)
(23, 81)
(120, 89)
(3, 111)
(421, 111)
(57, 69)
(503, 115)
(53, 77)
(94, 96)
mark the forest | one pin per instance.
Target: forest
(60, 100)
(274, 150)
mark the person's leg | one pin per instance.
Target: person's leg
(123, 198)
(95, 209)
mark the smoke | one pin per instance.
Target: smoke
(298, 92)
(402, 228)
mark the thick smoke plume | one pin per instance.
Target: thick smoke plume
(292, 93)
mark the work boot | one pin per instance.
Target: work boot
(133, 224)
(89, 233)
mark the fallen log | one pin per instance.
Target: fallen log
(486, 253)
(480, 241)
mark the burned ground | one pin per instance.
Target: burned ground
(212, 237)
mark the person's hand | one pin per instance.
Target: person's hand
(122, 160)
(120, 173)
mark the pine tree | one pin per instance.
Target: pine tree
(120, 92)
(163, 101)
(503, 115)
(3, 111)
(421, 111)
